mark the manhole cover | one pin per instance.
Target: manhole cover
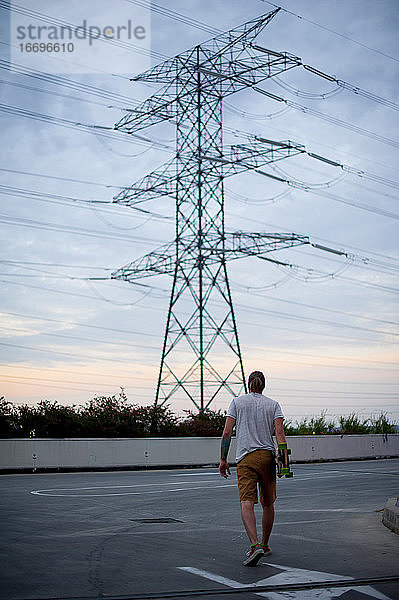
(158, 520)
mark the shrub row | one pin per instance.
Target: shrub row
(114, 416)
(103, 416)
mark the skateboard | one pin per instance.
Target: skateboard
(283, 461)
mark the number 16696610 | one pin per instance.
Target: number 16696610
(46, 47)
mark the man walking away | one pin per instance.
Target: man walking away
(256, 417)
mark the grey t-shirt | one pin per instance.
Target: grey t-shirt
(254, 415)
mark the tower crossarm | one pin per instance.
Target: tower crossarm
(229, 61)
(242, 157)
(247, 71)
(230, 75)
(158, 262)
(239, 243)
(229, 246)
(236, 40)
(238, 158)
(159, 107)
(160, 182)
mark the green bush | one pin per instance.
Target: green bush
(157, 420)
(289, 428)
(208, 423)
(381, 424)
(48, 419)
(109, 416)
(352, 424)
(313, 426)
(8, 419)
(114, 416)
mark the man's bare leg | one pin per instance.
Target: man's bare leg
(249, 520)
(267, 523)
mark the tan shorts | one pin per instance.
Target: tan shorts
(257, 468)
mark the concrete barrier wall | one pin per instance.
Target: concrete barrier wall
(91, 453)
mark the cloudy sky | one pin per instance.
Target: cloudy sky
(325, 331)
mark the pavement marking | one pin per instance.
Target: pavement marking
(305, 521)
(350, 510)
(350, 492)
(106, 487)
(195, 474)
(317, 476)
(142, 493)
(303, 538)
(217, 578)
(292, 575)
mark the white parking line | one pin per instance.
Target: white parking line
(142, 493)
(112, 487)
(292, 575)
(196, 474)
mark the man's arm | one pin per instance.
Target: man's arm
(280, 435)
(225, 445)
(279, 429)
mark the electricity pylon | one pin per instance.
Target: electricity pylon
(201, 353)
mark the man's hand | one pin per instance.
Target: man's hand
(224, 468)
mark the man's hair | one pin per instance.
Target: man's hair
(256, 382)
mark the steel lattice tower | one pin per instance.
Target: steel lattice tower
(201, 353)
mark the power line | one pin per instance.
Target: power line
(324, 145)
(346, 170)
(70, 62)
(312, 319)
(70, 354)
(81, 388)
(324, 381)
(80, 338)
(105, 131)
(291, 182)
(59, 94)
(343, 85)
(83, 88)
(326, 241)
(315, 307)
(344, 36)
(308, 188)
(47, 264)
(311, 95)
(88, 387)
(98, 374)
(77, 294)
(329, 118)
(247, 309)
(85, 203)
(32, 224)
(171, 14)
(296, 272)
(60, 23)
(335, 392)
(58, 178)
(269, 311)
(128, 375)
(86, 357)
(69, 323)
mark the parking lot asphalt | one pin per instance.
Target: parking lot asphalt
(99, 534)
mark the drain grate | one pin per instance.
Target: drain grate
(158, 520)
